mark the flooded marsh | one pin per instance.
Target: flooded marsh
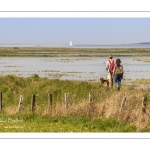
(72, 68)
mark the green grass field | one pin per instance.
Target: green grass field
(102, 115)
(40, 123)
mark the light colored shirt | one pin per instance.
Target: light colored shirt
(108, 64)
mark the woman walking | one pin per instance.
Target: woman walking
(118, 74)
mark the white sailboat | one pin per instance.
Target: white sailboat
(71, 43)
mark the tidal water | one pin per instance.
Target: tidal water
(72, 68)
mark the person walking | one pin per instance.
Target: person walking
(109, 67)
(118, 74)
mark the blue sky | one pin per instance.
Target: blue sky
(79, 30)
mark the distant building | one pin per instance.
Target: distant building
(71, 43)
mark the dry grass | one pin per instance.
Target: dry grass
(106, 102)
(109, 108)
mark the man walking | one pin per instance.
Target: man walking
(109, 67)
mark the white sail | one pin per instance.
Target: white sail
(71, 43)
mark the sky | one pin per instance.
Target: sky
(81, 31)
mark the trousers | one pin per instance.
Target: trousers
(110, 79)
(117, 80)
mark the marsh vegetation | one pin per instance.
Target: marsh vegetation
(73, 52)
(102, 115)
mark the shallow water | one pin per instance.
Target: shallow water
(72, 68)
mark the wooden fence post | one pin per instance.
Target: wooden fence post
(20, 103)
(144, 102)
(0, 100)
(122, 103)
(90, 98)
(33, 103)
(50, 100)
(66, 100)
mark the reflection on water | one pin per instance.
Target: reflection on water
(72, 68)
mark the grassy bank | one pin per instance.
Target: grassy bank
(102, 116)
(46, 123)
(73, 52)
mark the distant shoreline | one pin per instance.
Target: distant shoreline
(134, 45)
(72, 52)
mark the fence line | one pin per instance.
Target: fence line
(66, 100)
(50, 100)
(90, 98)
(144, 102)
(122, 104)
(1, 101)
(33, 103)
(20, 103)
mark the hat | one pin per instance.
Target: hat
(110, 56)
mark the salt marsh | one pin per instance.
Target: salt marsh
(72, 68)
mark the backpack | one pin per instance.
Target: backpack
(111, 66)
(119, 70)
